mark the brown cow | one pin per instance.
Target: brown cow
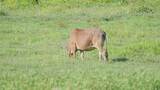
(86, 40)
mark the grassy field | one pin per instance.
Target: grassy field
(33, 57)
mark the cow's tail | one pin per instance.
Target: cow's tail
(105, 39)
(105, 47)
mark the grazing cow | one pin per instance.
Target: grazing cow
(86, 40)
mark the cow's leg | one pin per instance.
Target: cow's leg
(82, 55)
(100, 56)
(100, 49)
(74, 54)
(73, 50)
(100, 53)
(105, 54)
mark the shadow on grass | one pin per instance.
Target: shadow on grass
(120, 59)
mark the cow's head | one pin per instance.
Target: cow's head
(69, 50)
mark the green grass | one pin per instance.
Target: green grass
(33, 57)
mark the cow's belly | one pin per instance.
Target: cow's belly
(85, 48)
(84, 44)
(89, 49)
